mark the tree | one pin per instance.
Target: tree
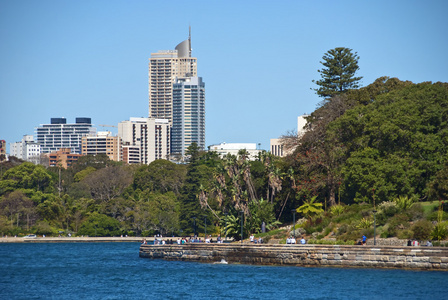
(310, 208)
(100, 225)
(338, 74)
(160, 176)
(108, 183)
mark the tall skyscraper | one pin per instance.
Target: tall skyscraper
(164, 67)
(188, 114)
(178, 95)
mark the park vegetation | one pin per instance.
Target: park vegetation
(377, 151)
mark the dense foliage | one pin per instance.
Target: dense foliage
(383, 147)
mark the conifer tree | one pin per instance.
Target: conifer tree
(338, 74)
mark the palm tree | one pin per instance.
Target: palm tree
(310, 208)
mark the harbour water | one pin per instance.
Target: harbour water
(114, 271)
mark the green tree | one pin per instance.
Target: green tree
(27, 176)
(198, 173)
(100, 225)
(310, 208)
(160, 176)
(338, 75)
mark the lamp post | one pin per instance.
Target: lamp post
(374, 217)
(242, 216)
(225, 226)
(294, 221)
(374, 227)
(194, 226)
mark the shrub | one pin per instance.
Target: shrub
(440, 231)
(422, 230)
(404, 202)
(388, 208)
(415, 212)
(404, 234)
(337, 210)
(100, 225)
(364, 224)
(397, 223)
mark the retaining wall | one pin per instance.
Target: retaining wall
(419, 258)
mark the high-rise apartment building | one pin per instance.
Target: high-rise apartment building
(178, 95)
(59, 134)
(188, 114)
(102, 143)
(164, 67)
(149, 134)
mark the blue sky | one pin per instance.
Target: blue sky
(258, 58)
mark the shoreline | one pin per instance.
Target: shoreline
(72, 240)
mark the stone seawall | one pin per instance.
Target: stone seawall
(418, 258)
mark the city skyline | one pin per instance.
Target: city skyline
(258, 58)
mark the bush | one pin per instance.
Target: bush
(422, 230)
(43, 227)
(397, 223)
(100, 225)
(440, 231)
(415, 212)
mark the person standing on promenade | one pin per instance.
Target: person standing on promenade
(364, 239)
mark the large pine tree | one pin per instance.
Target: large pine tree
(338, 74)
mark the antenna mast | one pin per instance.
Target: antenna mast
(189, 40)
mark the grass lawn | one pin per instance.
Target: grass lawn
(429, 206)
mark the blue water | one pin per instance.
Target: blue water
(114, 271)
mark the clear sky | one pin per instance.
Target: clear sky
(90, 58)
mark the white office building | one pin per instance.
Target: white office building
(233, 148)
(58, 134)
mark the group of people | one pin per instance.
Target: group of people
(158, 240)
(292, 240)
(254, 240)
(416, 243)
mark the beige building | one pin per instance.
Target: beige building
(150, 135)
(62, 158)
(131, 154)
(278, 149)
(102, 143)
(164, 67)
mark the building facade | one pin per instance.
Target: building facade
(233, 148)
(188, 114)
(151, 136)
(102, 143)
(58, 134)
(164, 67)
(277, 148)
(2, 150)
(62, 158)
(27, 149)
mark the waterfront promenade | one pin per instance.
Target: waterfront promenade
(394, 257)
